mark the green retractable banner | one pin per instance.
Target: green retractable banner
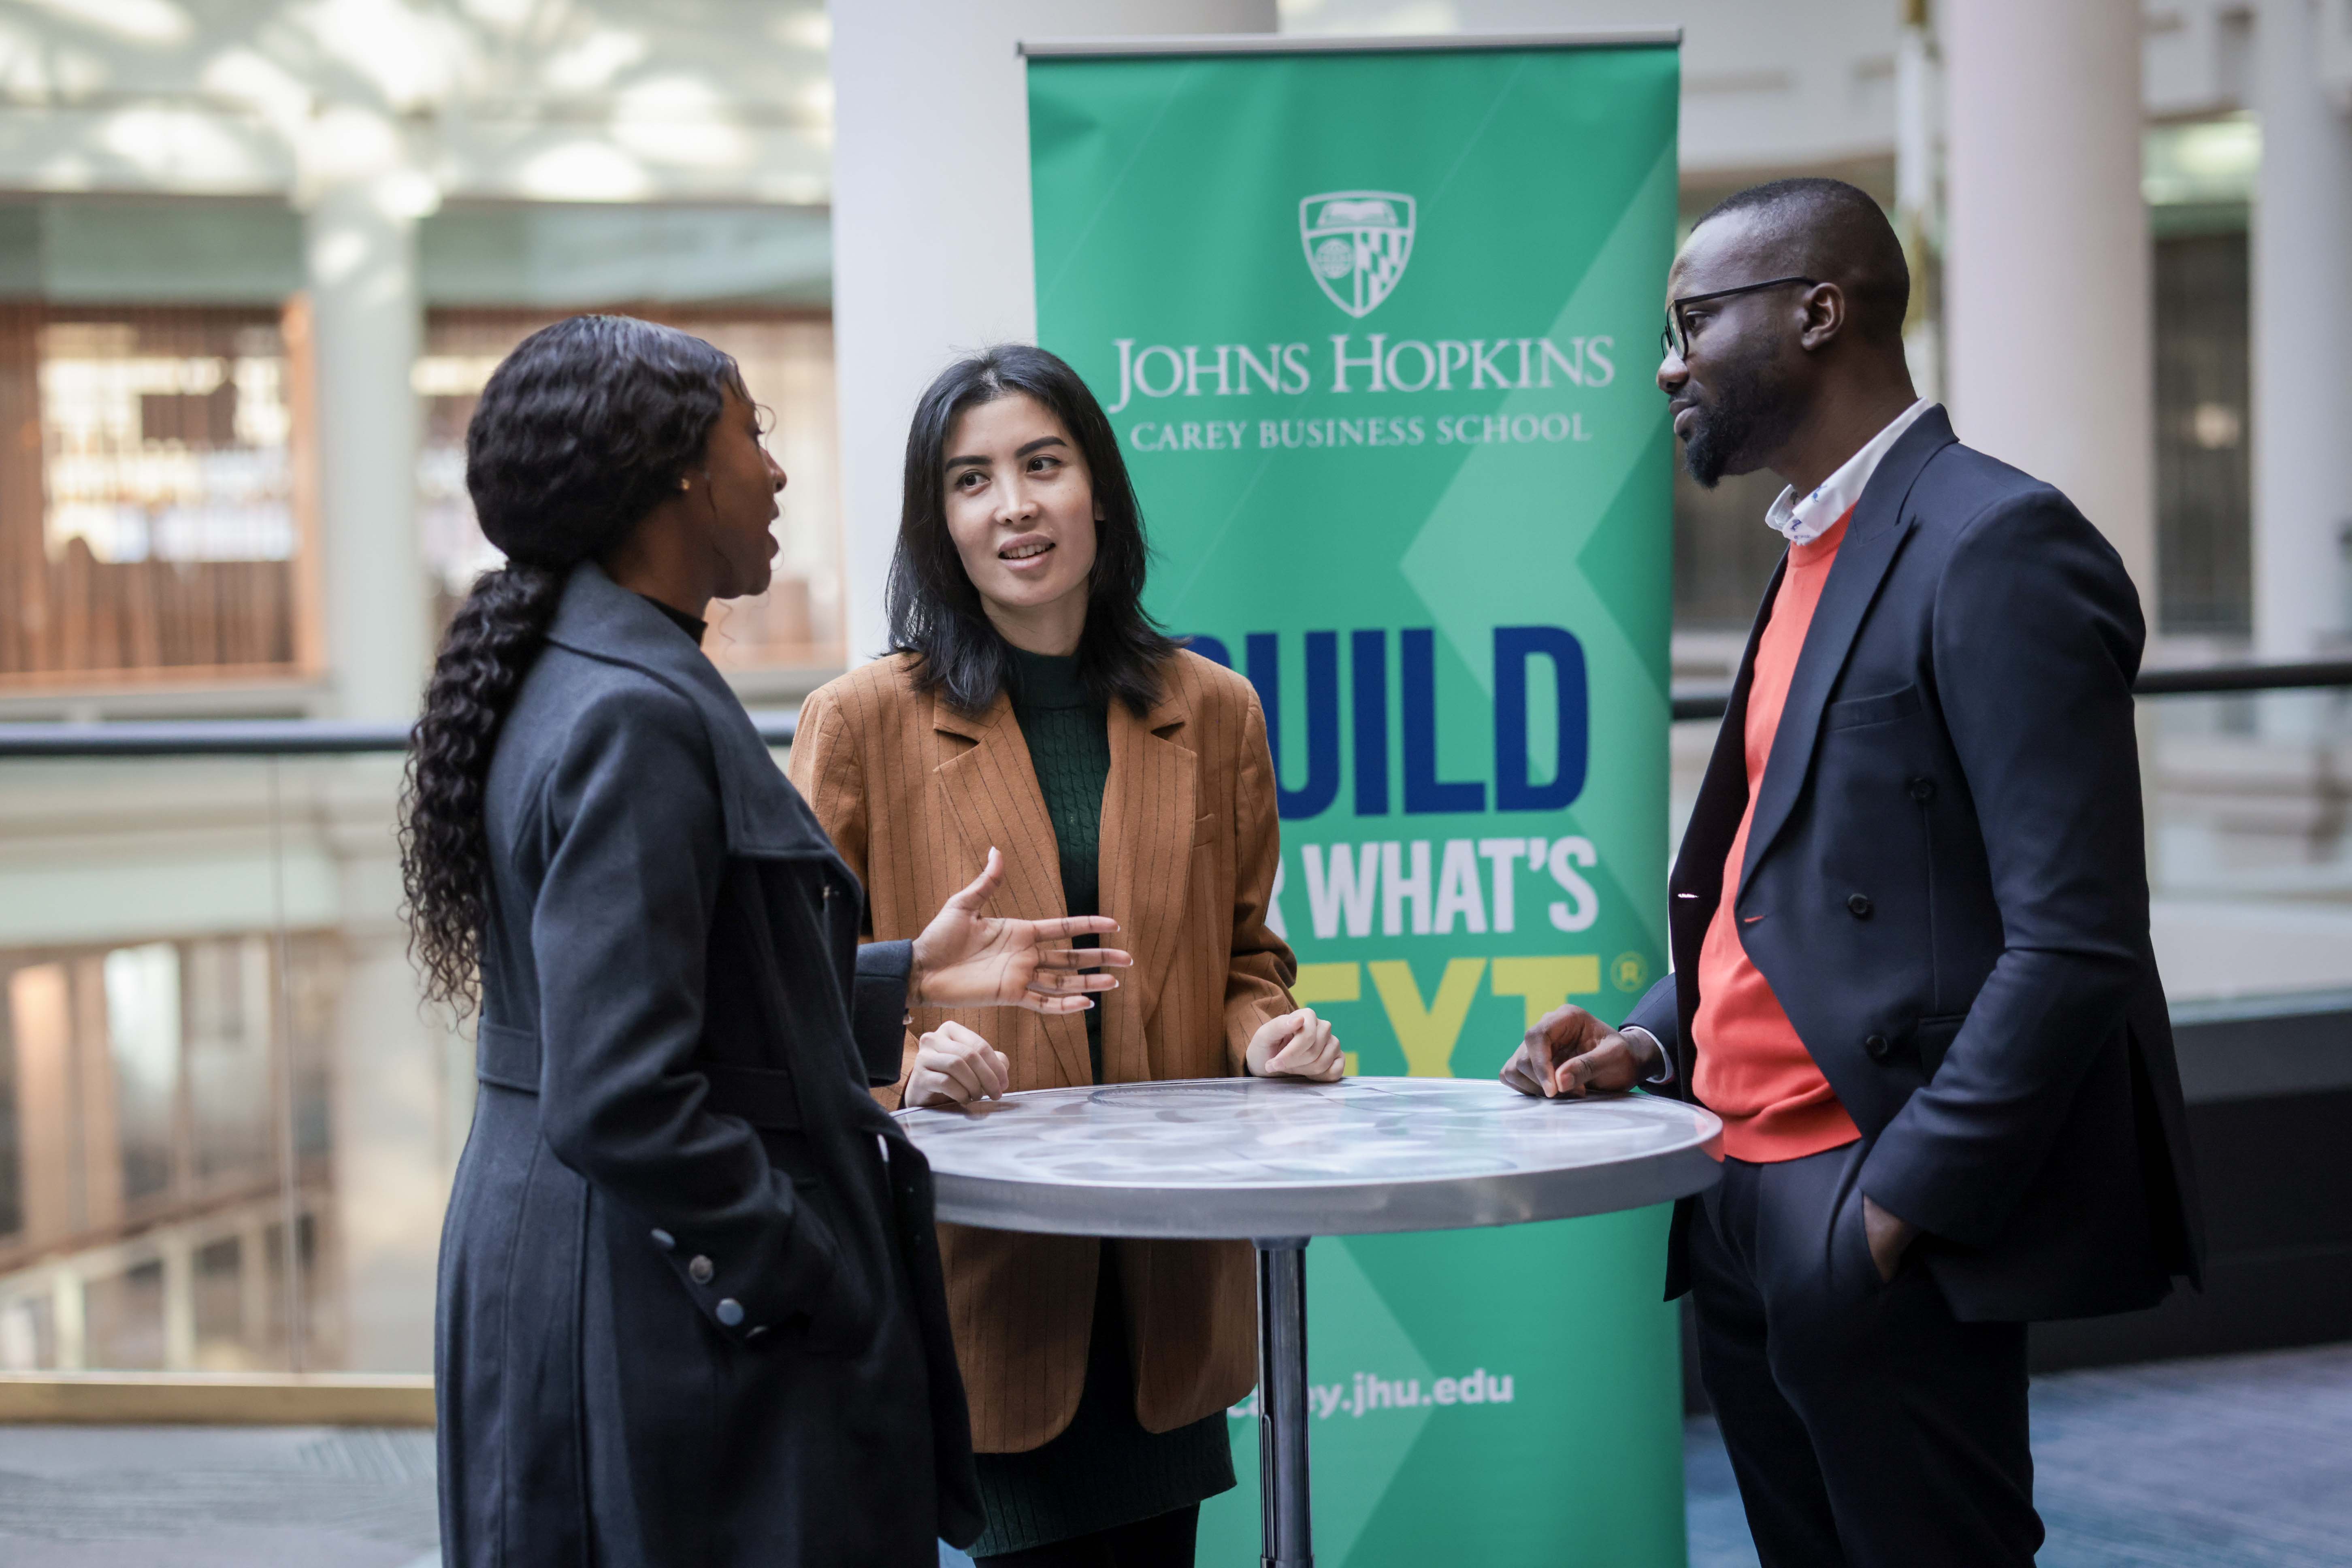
(1376, 328)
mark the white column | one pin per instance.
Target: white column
(931, 244)
(389, 1117)
(2046, 255)
(179, 1259)
(2302, 273)
(253, 1285)
(1918, 182)
(389, 1188)
(69, 1319)
(360, 242)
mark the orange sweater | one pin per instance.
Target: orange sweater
(1752, 1070)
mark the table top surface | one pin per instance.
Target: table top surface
(1269, 1157)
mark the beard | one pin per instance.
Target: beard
(1750, 414)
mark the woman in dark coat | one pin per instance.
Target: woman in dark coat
(690, 1309)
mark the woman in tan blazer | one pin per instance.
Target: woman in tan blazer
(1032, 707)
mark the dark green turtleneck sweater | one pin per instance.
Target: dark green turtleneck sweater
(1104, 1471)
(1068, 734)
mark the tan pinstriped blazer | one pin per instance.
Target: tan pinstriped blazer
(914, 794)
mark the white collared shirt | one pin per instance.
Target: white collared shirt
(1802, 522)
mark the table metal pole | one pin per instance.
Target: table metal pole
(1283, 1506)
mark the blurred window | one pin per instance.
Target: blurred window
(787, 360)
(147, 523)
(2203, 481)
(142, 1201)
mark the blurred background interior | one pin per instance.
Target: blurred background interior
(256, 259)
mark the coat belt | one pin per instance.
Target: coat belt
(508, 1058)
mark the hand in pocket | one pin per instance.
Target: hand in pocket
(1888, 1237)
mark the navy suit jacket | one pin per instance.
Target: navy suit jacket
(1947, 886)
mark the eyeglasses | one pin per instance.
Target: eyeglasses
(1675, 339)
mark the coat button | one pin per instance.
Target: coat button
(1923, 790)
(1858, 906)
(755, 1331)
(1876, 1047)
(665, 1240)
(699, 1270)
(730, 1311)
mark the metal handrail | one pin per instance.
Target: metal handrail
(2311, 675)
(2304, 676)
(248, 738)
(330, 737)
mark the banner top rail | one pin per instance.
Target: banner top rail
(1293, 44)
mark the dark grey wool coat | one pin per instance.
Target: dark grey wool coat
(690, 1309)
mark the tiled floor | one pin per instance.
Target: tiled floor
(2238, 1462)
(215, 1496)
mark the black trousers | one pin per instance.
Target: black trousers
(1163, 1541)
(1866, 1426)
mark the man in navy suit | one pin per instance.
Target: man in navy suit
(1909, 923)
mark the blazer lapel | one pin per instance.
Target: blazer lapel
(990, 793)
(1872, 542)
(1146, 860)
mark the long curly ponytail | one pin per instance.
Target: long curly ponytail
(489, 647)
(579, 433)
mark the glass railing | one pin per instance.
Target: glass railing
(2247, 774)
(227, 1125)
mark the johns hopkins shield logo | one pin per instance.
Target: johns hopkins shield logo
(1357, 245)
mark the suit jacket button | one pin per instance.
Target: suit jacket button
(1923, 790)
(1876, 1047)
(665, 1240)
(1858, 906)
(730, 1311)
(699, 1270)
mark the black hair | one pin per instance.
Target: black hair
(581, 432)
(1837, 233)
(936, 612)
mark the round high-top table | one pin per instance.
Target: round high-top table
(1275, 1161)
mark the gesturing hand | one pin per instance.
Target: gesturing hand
(1297, 1045)
(967, 959)
(955, 1066)
(1569, 1052)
